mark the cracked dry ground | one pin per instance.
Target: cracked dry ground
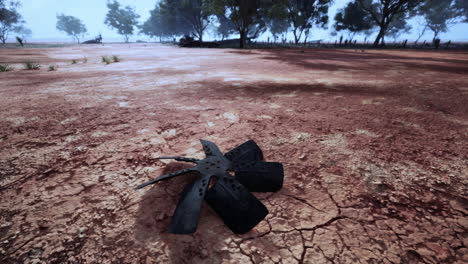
(374, 146)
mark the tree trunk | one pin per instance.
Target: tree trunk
(380, 36)
(421, 34)
(242, 39)
(296, 38)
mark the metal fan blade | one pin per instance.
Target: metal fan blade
(249, 151)
(164, 177)
(210, 148)
(239, 209)
(180, 159)
(260, 176)
(187, 212)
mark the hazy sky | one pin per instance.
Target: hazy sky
(40, 16)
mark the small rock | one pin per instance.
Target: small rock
(81, 232)
(6, 224)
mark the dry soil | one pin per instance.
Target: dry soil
(374, 146)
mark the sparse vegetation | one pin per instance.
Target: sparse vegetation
(106, 59)
(111, 59)
(116, 58)
(5, 68)
(85, 59)
(53, 67)
(31, 65)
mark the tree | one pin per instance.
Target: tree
(225, 27)
(196, 13)
(245, 16)
(462, 5)
(303, 14)
(123, 19)
(71, 25)
(10, 19)
(353, 19)
(23, 32)
(166, 20)
(153, 26)
(384, 12)
(439, 15)
(397, 27)
(277, 20)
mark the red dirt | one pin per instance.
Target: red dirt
(374, 146)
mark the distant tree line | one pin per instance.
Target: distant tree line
(248, 19)
(389, 17)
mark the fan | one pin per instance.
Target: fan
(228, 195)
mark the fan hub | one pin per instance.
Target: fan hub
(214, 165)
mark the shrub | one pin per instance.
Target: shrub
(5, 68)
(74, 62)
(53, 67)
(85, 59)
(116, 58)
(31, 65)
(106, 60)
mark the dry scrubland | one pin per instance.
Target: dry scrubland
(374, 146)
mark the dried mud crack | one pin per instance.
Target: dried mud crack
(373, 145)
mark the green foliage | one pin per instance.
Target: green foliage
(196, 13)
(439, 15)
(74, 61)
(153, 26)
(5, 68)
(23, 32)
(53, 67)
(225, 27)
(303, 14)
(398, 26)
(71, 25)
(353, 19)
(277, 19)
(123, 19)
(29, 65)
(106, 59)
(462, 6)
(246, 17)
(389, 15)
(10, 19)
(172, 18)
(110, 59)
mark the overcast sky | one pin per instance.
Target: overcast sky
(40, 16)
